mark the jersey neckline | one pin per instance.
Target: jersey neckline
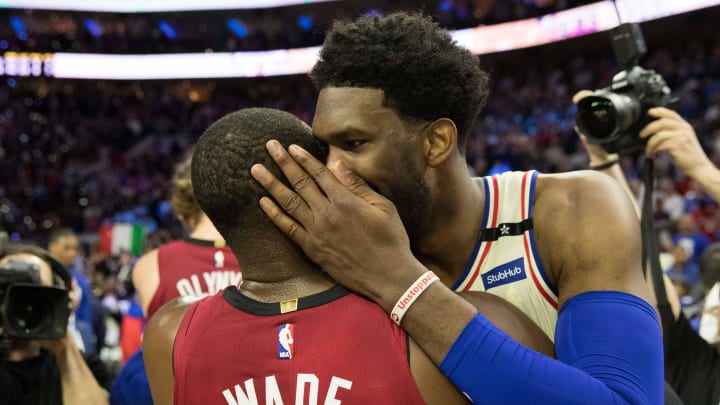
(205, 242)
(235, 298)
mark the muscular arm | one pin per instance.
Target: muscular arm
(157, 347)
(595, 244)
(146, 278)
(357, 237)
(598, 156)
(616, 173)
(594, 327)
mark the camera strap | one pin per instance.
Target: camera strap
(651, 250)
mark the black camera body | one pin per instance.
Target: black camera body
(613, 117)
(29, 310)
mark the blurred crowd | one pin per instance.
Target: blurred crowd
(236, 30)
(82, 154)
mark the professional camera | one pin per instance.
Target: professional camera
(613, 117)
(29, 310)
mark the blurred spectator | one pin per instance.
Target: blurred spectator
(710, 273)
(670, 200)
(692, 243)
(64, 245)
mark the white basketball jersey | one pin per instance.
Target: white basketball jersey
(505, 261)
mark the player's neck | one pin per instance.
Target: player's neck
(458, 216)
(205, 230)
(289, 283)
(270, 258)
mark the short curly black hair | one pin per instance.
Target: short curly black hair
(423, 72)
(221, 164)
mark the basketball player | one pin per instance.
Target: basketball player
(398, 98)
(197, 266)
(289, 333)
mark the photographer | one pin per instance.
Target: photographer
(39, 370)
(692, 366)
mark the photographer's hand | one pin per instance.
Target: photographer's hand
(671, 133)
(79, 385)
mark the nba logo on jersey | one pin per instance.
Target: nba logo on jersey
(219, 259)
(286, 343)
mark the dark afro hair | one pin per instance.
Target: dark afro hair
(221, 164)
(422, 71)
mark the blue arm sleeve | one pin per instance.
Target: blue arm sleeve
(609, 349)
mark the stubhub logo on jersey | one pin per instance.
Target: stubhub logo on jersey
(504, 274)
(286, 341)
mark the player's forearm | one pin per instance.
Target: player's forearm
(436, 316)
(488, 365)
(598, 365)
(436, 320)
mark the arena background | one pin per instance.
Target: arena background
(95, 155)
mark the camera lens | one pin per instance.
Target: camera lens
(28, 313)
(597, 117)
(36, 312)
(606, 116)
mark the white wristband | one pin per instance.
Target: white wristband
(412, 294)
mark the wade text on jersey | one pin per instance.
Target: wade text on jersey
(307, 391)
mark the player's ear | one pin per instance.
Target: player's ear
(440, 141)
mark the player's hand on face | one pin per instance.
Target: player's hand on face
(351, 231)
(669, 132)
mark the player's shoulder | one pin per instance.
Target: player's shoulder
(576, 192)
(148, 257)
(581, 205)
(166, 321)
(145, 264)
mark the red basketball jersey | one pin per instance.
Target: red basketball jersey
(193, 267)
(336, 348)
